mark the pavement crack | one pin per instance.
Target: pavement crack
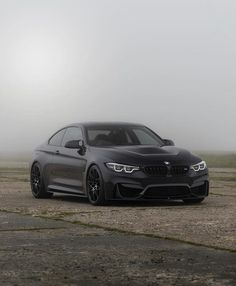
(113, 229)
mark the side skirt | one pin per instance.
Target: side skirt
(64, 190)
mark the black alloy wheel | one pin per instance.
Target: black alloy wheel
(95, 186)
(37, 185)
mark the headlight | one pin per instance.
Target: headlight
(122, 168)
(199, 167)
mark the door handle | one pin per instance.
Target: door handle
(57, 152)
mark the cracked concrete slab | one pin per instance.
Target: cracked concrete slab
(14, 222)
(66, 241)
(81, 255)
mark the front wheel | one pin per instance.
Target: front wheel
(193, 201)
(37, 184)
(95, 190)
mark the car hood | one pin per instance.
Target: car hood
(147, 154)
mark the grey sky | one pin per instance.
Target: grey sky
(168, 64)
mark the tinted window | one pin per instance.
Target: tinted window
(145, 137)
(121, 135)
(108, 136)
(72, 133)
(57, 138)
(93, 133)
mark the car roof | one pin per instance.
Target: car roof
(104, 123)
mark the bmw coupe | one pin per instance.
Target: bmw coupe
(116, 161)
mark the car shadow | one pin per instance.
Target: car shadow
(121, 203)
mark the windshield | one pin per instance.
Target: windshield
(121, 135)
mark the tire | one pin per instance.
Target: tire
(193, 201)
(37, 184)
(95, 189)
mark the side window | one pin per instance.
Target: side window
(57, 138)
(72, 133)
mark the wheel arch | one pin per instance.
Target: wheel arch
(86, 176)
(87, 172)
(41, 170)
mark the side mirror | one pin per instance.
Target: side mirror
(168, 142)
(76, 144)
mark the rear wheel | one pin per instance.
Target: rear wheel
(95, 188)
(193, 201)
(37, 184)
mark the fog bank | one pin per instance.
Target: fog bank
(168, 64)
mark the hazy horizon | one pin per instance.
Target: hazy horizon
(170, 65)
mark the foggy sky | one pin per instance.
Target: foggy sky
(168, 64)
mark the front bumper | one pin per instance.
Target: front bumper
(140, 186)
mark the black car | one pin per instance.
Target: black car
(114, 161)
